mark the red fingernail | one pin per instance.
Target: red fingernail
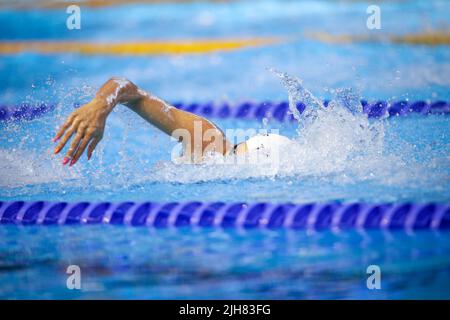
(55, 139)
(72, 162)
(65, 160)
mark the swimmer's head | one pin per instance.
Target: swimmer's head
(269, 141)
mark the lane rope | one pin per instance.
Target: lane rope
(253, 110)
(316, 216)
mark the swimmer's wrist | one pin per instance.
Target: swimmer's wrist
(102, 104)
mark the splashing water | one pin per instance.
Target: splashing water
(332, 140)
(297, 93)
(348, 99)
(336, 145)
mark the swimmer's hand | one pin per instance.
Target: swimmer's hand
(87, 125)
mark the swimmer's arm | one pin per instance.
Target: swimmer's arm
(87, 123)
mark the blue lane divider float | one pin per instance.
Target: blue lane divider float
(316, 216)
(256, 110)
(24, 111)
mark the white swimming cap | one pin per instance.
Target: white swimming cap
(267, 142)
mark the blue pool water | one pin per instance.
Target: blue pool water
(340, 157)
(123, 263)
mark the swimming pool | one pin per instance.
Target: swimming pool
(343, 157)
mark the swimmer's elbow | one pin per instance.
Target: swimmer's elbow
(122, 81)
(125, 86)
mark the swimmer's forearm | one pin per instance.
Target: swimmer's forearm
(87, 123)
(152, 109)
(122, 91)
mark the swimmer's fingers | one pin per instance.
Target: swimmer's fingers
(64, 127)
(74, 145)
(68, 134)
(92, 146)
(83, 144)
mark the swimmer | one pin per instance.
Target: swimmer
(87, 124)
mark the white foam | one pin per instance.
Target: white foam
(337, 143)
(19, 168)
